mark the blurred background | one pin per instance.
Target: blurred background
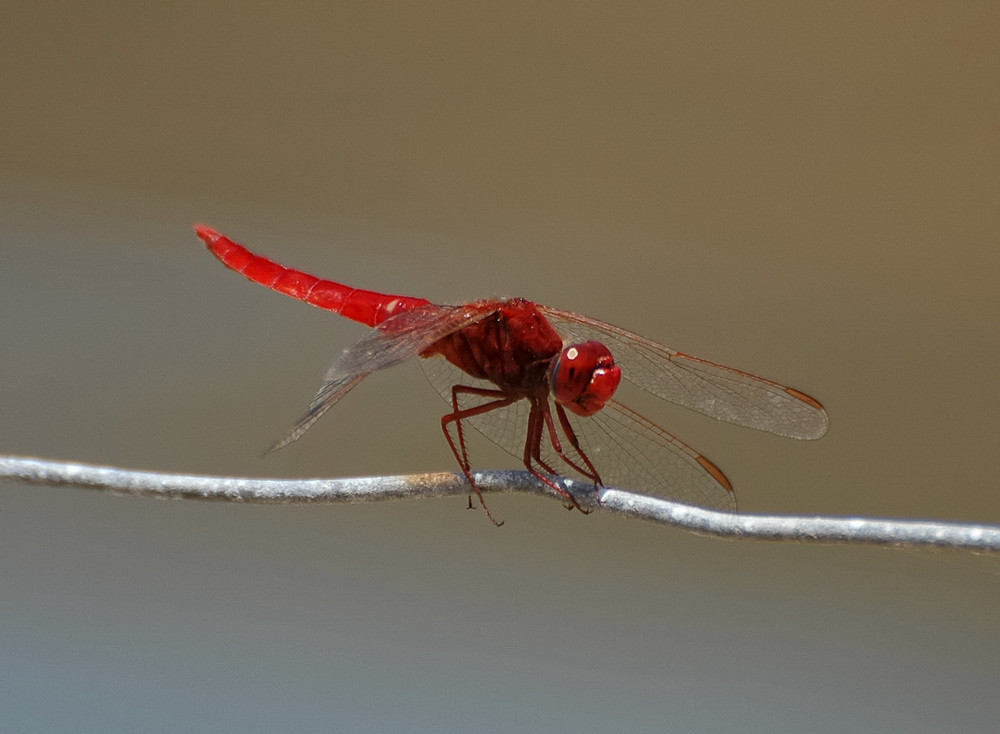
(812, 195)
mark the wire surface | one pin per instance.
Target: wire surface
(790, 528)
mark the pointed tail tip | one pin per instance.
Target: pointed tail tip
(206, 233)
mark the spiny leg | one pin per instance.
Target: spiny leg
(590, 472)
(575, 443)
(538, 419)
(553, 435)
(458, 413)
(456, 417)
(536, 424)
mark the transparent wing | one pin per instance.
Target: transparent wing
(632, 452)
(393, 341)
(627, 450)
(713, 389)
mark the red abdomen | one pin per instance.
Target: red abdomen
(367, 307)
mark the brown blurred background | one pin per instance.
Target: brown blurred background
(811, 195)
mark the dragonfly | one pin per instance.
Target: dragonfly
(540, 382)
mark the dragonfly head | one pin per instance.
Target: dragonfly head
(584, 377)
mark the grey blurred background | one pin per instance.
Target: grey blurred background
(808, 194)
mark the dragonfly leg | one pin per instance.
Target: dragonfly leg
(501, 399)
(575, 443)
(539, 421)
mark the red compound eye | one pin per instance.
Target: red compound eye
(584, 377)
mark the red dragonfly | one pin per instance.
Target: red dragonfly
(510, 363)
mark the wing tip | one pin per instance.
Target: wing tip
(807, 399)
(716, 473)
(822, 422)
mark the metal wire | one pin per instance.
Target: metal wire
(860, 530)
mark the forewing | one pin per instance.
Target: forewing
(393, 341)
(713, 389)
